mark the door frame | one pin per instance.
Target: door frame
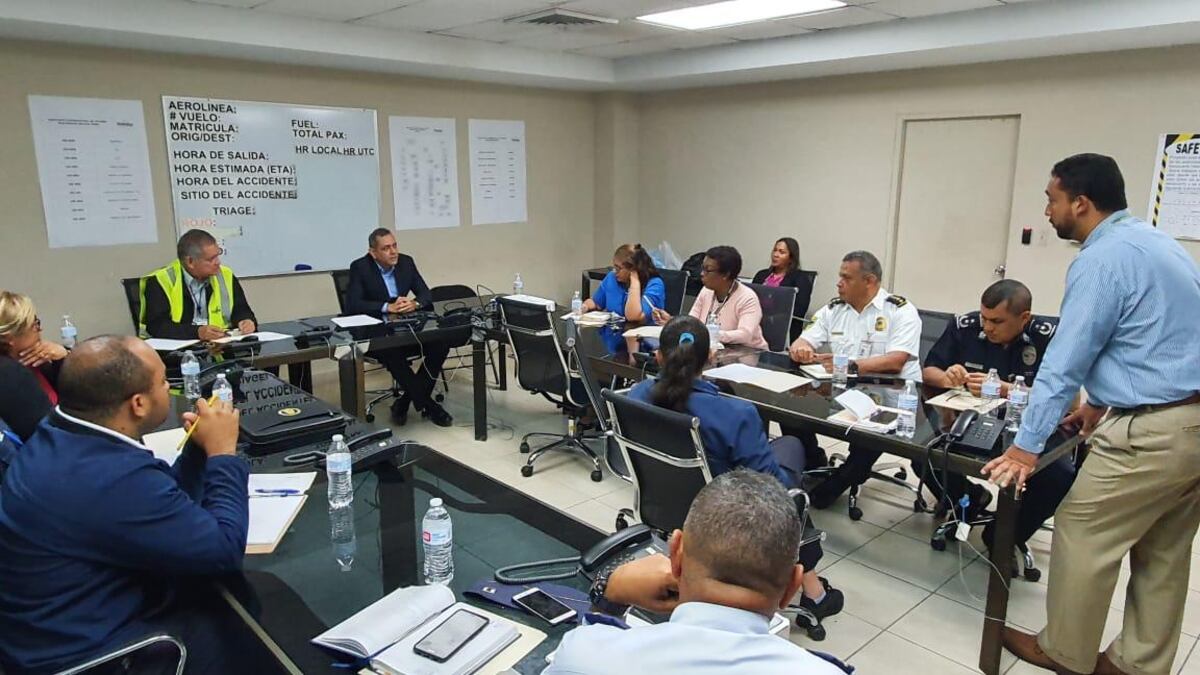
(892, 235)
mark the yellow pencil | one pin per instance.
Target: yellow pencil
(211, 400)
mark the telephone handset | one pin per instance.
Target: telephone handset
(976, 434)
(631, 543)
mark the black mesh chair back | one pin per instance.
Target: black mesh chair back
(803, 300)
(454, 292)
(341, 284)
(933, 324)
(778, 306)
(581, 361)
(665, 457)
(676, 285)
(532, 334)
(133, 298)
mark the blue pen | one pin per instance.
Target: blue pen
(280, 492)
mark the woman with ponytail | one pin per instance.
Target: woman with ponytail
(732, 433)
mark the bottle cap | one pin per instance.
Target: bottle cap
(435, 502)
(337, 438)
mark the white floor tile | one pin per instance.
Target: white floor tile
(894, 655)
(948, 628)
(598, 515)
(909, 560)
(620, 497)
(871, 595)
(843, 535)
(845, 634)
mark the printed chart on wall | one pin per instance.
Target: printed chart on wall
(1175, 195)
(497, 171)
(94, 170)
(424, 172)
(282, 187)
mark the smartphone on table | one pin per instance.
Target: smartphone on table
(450, 635)
(543, 605)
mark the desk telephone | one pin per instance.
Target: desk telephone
(976, 434)
(631, 543)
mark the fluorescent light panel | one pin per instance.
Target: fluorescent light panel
(733, 12)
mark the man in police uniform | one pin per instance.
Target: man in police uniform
(883, 334)
(1006, 336)
(194, 297)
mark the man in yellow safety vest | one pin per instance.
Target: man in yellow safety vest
(195, 296)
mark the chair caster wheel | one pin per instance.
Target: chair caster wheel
(621, 522)
(597, 476)
(900, 475)
(1032, 574)
(937, 544)
(440, 398)
(855, 513)
(816, 633)
(526, 470)
(369, 417)
(524, 448)
(919, 505)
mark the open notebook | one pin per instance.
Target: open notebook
(386, 631)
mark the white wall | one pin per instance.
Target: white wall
(549, 250)
(816, 159)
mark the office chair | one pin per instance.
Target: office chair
(153, 642)
(676, 282)
(592, 387)
(669, 467)
(532, 332)
(803, 301)
(778, 308)
(341, 284)
(453, 293)
(133, 298)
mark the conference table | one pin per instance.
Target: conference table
(301, 589)
(810, 406)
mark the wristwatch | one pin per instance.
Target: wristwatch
(852, 367)
(599, 602)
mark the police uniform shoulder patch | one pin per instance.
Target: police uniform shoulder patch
(897, 300)
(836, 301)
(1042, 327)
(969, 320)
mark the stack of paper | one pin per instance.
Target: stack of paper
(861, 412)
(355, 320)
(589, 319)
(816, 371)
(275, 499)
(652, 332)
(961, 399)
(165, 345)
(771, 380)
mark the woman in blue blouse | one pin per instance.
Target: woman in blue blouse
(632, 288)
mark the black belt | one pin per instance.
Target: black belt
(1155, 407)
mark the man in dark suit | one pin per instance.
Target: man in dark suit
(380, 284)
(195, 296)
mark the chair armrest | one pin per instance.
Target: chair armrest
(135, 646)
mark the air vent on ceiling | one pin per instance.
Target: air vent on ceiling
(561, 17)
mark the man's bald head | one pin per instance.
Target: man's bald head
(104, 372)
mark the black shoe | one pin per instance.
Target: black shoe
(830, 605)
(400, 409)
(437, 414)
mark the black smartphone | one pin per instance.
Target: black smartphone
(883, 416)
(450, 635)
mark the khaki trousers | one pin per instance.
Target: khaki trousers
(1138, 492)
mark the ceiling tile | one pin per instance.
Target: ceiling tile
(840, 18)
(562, 39)
(433, 15)
(911, 8)
(623, 49)
(691, 39)
(496, 30)
(761, 30)
(628, 9)
(231, 3)
(341, 10)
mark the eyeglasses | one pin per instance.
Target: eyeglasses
(708, 270)
(37, 323)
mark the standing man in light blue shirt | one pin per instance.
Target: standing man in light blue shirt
(731, 568)
(1130, 321)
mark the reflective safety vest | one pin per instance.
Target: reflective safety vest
(171, 279)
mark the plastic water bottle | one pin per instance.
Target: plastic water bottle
(341, 533)
(337, 468)
(190, 367)
(576, 304)
(69, 332)
(222, 389)
(1018, 398)
(991, 386)
(714, 331)
(907, 403)
(518, 285)
(437, 534)
(841, 364)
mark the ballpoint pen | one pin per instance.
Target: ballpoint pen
(276, 492)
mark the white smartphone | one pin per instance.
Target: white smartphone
(541, 604)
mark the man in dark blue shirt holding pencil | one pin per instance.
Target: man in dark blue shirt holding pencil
(98, 538)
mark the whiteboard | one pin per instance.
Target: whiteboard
(278, 185)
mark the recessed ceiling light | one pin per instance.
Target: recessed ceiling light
(732, 12)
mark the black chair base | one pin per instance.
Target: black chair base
(561, 443)
(944, 532)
